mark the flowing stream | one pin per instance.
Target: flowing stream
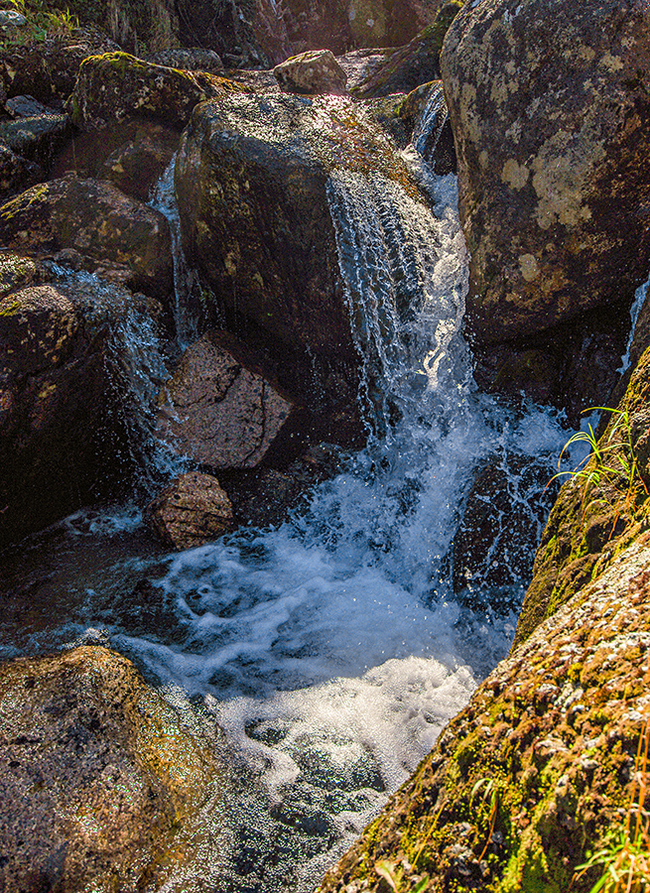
(330, 650)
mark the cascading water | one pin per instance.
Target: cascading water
(331, 650)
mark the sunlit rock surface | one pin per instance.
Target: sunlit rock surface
(312, 72)
(550, 114)
(103, 785)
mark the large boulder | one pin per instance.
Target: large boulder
(62, 434)
(254, 185)
(220, 413)
(104, 785)
(550, 114)
(98, 221)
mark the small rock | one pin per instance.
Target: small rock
(313, 72)
(190, 512)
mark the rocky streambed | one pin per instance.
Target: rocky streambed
(232, 323)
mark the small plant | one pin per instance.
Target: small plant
(611, 460)
(624, 859)
(394, 876)
(489, 793)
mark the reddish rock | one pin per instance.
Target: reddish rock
(218, 412)
(316, 71)
(193, 510)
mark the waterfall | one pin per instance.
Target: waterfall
(333, 649)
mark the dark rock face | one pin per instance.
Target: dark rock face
(218, 412)
(416, 63)
(191, 511)
(59, 440)
(101, 784)
(99, 222)
(316, 71)
(550, 114)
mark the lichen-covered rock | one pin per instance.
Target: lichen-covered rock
(61, 437)
(103, 784)
(552, 139)
(416, 63)
(599, 511)
(191, 511)
(218, 412)
(539, 769)
(97, 220)
(116, 86)
(313, 72)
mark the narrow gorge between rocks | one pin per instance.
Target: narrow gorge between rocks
(330, 650)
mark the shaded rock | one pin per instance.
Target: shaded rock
(99, 221)
(552, 734)
(554, 196)
(47, 70)
(502, 522)
(102, 782)
(25, 107)
(245, 33)
(190, 59)
(341, 27)
(132, 155)
(218, 412)
(316, 71)
(190, 512)
(132, 23)
(116, 86)
(359, 65)
(416, 63)
(62, 430)
(16, 173)
(36, 137)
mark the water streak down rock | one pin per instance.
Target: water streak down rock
(551, 117)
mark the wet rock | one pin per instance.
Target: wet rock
(62, 433)
(102, 782)
(432, 136)
(510, 788)
(220, 413)
(554, 196)
(100, 222)
(190, 512)
(116, 86)
(416, 63)
(252, 180)
(502, 522)
(25, 107)
(316, 71)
